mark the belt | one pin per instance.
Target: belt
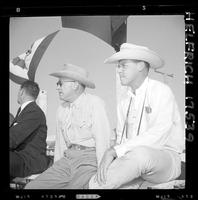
(79, 147)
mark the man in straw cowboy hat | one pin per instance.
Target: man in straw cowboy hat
(83, 133)
(150, 136)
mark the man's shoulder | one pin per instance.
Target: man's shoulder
(158, 86)
(33, 111)
(159, 90)
(32, 106)
(94, 99)
(35, 107)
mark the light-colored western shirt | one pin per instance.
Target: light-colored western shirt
(83, 122)
(160, 127)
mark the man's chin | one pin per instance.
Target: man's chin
(124, 83)
(60, 97)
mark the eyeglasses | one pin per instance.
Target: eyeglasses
(122, 66)
(60, 83)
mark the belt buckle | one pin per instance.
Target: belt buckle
(78, 147)
(75, 147)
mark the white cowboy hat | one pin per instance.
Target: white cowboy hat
(135, 52)
(75, 73)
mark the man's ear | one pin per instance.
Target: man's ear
(22, 91)
(141, 65)
(75, 85)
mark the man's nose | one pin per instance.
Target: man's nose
(119, 69)
(58, 87)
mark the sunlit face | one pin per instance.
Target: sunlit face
(65, 89)
(128, 71)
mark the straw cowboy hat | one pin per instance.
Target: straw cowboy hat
(135, 52)
(75, 73)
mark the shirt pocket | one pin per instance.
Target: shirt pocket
(85, 123)
(82, 121)
(81, 129)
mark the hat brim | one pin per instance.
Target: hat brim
(145, 55)
(74, 76)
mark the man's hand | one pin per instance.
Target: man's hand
(107, 159)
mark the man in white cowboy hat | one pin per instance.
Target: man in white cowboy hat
(150, 136)
(83, 133)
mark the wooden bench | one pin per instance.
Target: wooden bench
(20, 182)
(176, 184)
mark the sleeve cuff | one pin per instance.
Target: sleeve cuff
(120, 150)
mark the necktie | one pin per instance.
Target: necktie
(125, 123)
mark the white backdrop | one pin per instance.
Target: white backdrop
(163, 34)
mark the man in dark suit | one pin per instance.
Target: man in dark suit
(28, 134)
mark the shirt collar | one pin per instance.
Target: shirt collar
(78, 100)
(139, 90)
(25, 104)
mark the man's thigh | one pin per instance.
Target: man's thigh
(82, 176)
(55, 177)
(163, 166)
(17, 165)
(151, 164)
